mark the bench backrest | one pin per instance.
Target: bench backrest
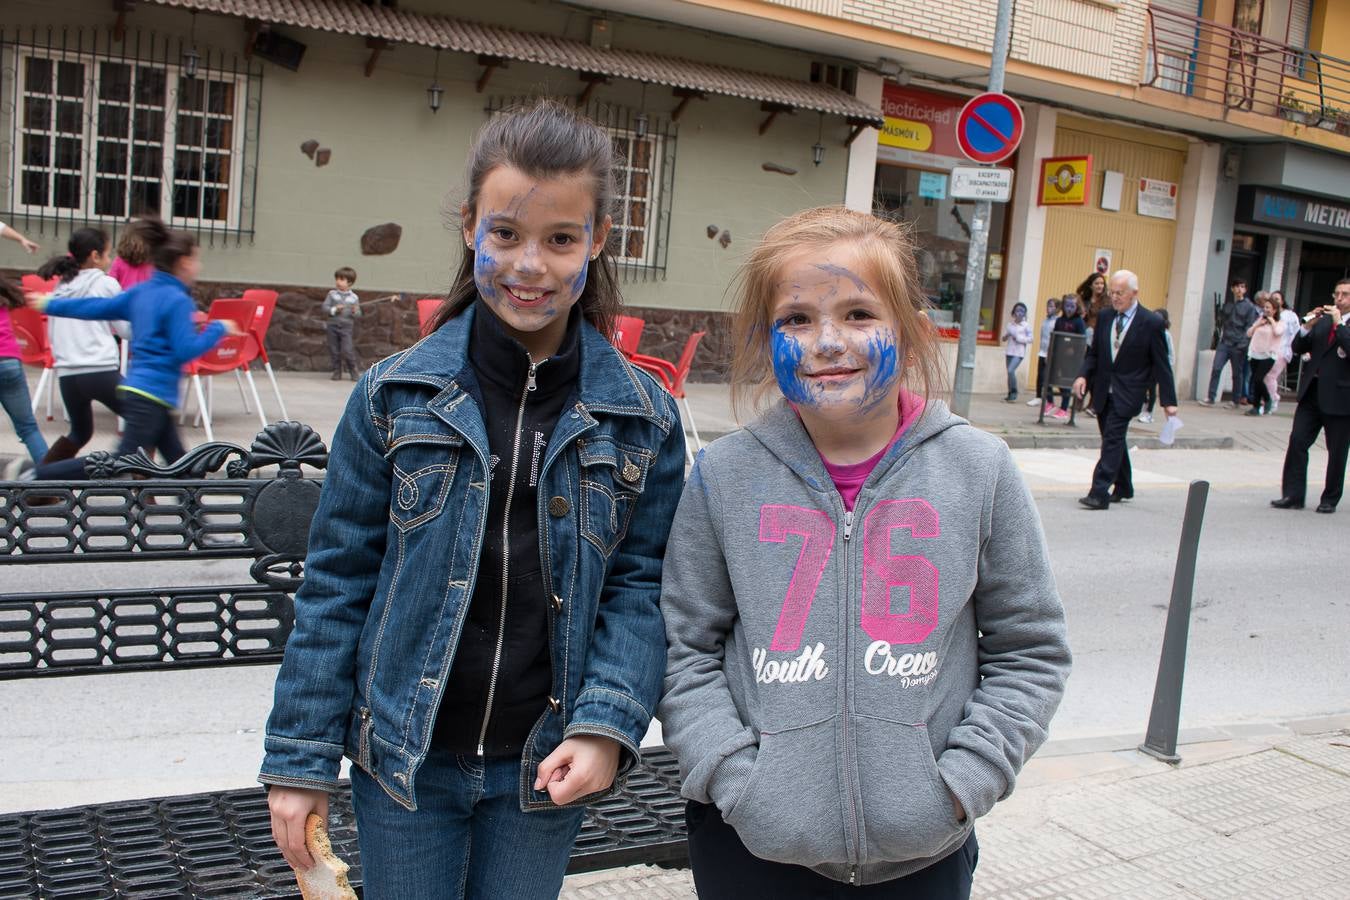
(173, 512)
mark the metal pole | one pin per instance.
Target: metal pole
(1161, 738)
(979, 237)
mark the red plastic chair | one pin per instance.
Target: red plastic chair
(35, 284)
(426, 309)
(30, 328)
(628, 333)
(230, 355)
(672, 377)
(266, 302)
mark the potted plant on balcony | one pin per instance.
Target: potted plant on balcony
(1336, 119)
(1294, 109)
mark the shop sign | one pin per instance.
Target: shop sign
(1299, 212)
(920, 127)
(932, 185)
(1157, 199)
(982, 183)
(1065, 180)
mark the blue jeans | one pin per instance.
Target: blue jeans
(1013, 363)
(14, 397)
(468, 837)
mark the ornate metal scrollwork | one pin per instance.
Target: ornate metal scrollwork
(288, 445)
(285, 444)
(196, 463)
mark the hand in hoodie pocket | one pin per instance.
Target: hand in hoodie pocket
(791, 809)
(908, 812)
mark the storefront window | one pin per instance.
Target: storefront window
(942, 233)
(916, 150)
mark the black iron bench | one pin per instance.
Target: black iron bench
(212, 844)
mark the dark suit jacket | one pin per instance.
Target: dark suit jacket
(1140, 362)
(1330, 363)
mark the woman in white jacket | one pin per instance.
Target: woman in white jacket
(85, 352)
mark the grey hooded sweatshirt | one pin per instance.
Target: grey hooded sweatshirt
(834, 677)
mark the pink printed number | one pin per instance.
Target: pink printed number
(882, 572)
(817, 534)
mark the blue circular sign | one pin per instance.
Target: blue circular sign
(989, 128)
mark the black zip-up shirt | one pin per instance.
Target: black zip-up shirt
(503, 650)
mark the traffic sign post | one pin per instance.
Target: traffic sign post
(982, 183)
(988, 131)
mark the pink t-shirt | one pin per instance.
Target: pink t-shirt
(128, 276)
(848, 478)
(9, 344)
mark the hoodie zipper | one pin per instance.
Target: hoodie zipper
(506, 557)
(848, 754)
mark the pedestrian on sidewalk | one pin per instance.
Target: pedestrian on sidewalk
(164, 337)
(1323, 402)
(479, 630)
(1071, 321)
(1151, 398)
(1267, 335)
(1128, 354)
(342, 307)
(1092, 300)
(85, 352)
(1235, 316)
(14, 396)
(1291, 323)
(778, 602)
(1016, 341)
(1047, 326)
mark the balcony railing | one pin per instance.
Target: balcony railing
(1204, 59)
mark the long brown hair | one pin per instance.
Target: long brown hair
(544, 140)
(11, 295)
(887, 251)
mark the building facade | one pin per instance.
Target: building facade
(1187, 140)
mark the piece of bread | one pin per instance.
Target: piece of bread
(327, 879)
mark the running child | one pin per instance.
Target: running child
(14, 396)
(479, 630)
(164, 336)
(87, 358)
(865, 640)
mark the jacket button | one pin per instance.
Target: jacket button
(554, 705)
(558, 507)
(630, 473)
(557, 603)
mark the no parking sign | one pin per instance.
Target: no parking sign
(989, 128)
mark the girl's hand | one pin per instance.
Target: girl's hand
(290, 807)
(39, 301)
(231, 327)
(581, 765)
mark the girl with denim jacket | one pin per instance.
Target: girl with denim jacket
(479, 629)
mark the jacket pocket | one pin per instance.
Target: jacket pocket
(613, 476)
(907, 810)
(790, 810)
(423, 460)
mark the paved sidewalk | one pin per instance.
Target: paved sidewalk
(1258, 811)
(313, 399)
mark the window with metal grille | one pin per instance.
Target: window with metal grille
(105, 130)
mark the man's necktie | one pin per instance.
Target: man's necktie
(1120, 329)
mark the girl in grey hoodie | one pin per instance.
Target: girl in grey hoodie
(86, 355)
(865, 640)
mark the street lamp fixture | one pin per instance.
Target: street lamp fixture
(434, 90)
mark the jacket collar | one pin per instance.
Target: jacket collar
(499, 358)
(608, 382)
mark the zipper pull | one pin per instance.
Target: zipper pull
(529, 378)
(848, 524)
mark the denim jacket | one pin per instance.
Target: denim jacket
(394, 549)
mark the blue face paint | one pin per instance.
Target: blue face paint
(578, 282)
(484, 263)
(883, 369)
(787, 358)
(841, 272)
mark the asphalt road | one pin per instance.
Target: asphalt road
(1267, 638)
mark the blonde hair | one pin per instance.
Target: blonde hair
(887, 253)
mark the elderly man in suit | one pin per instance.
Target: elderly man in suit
(1323, 402)
(1128, 353)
